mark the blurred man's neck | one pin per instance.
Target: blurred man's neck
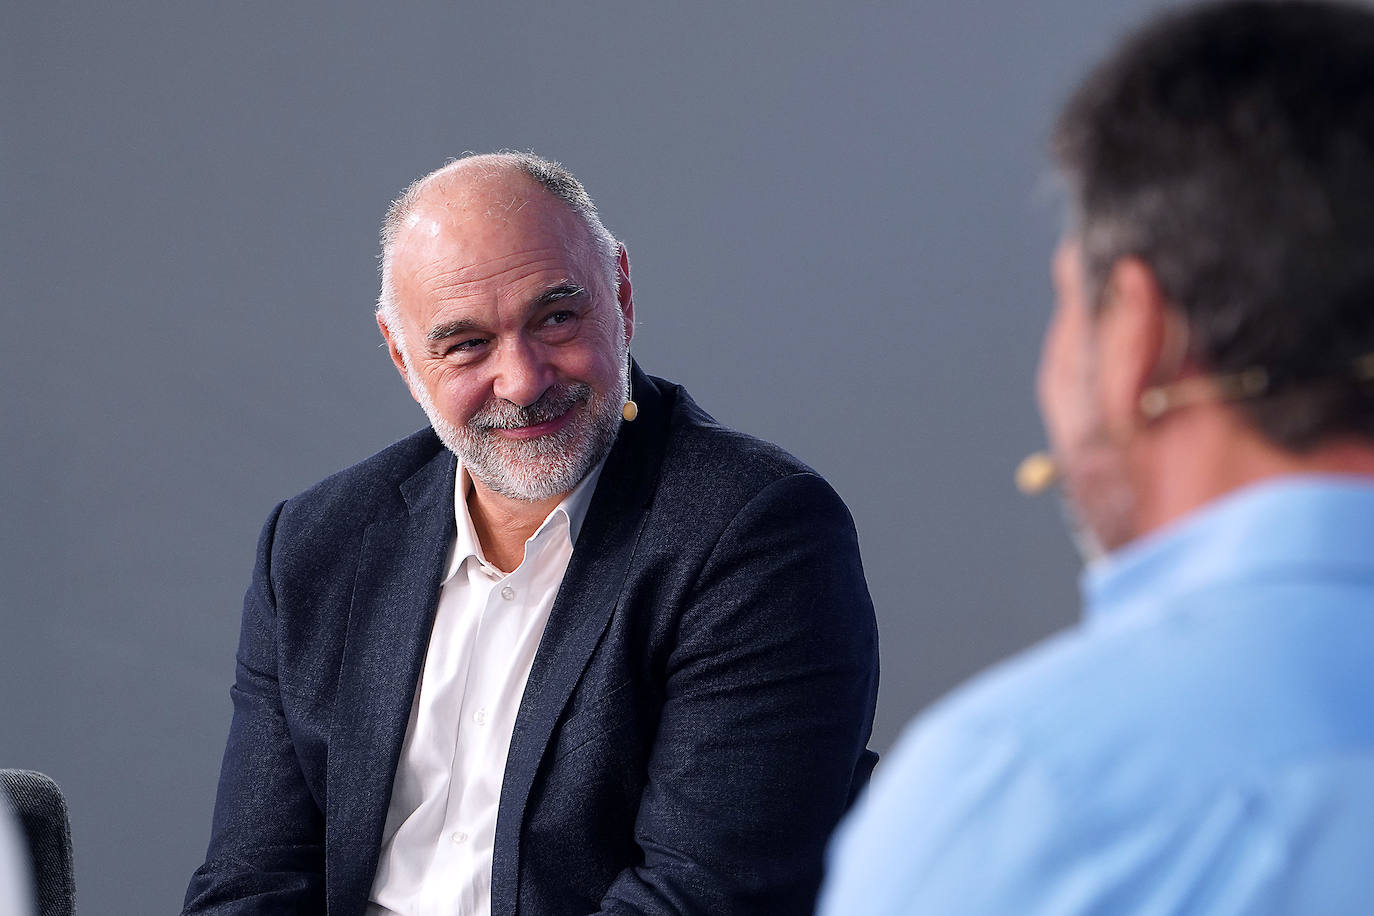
(1203, 453)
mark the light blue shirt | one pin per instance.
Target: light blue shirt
(1202, 743)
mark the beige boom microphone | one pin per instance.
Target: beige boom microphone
(1036, 473)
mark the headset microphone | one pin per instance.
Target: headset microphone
(1036, 473)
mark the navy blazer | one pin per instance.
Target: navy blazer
(694, 724)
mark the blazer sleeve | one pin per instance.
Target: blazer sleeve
(266, 852)
(769, 699)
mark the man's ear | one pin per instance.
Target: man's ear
(397, 358)
(625, 292)
(1132, 323)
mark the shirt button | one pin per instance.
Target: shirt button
(507, 592)
(480, 717)
(458, 836)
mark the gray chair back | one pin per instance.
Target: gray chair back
(42, 814)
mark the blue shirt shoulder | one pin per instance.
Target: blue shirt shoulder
(1203, 743)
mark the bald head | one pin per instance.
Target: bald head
(507, 309)
(485, 186)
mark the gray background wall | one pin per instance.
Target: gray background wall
(839, 228)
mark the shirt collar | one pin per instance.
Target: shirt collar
(570, 513)
(1287, 525)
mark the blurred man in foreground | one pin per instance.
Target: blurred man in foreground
(1204, 741)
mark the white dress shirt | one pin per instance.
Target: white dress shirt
(441, 822)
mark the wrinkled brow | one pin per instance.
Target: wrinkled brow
(452, 329)
(467, 325)
(553, 294)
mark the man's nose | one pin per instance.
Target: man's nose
(523, 374)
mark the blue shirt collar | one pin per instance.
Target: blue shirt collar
(1286, 525)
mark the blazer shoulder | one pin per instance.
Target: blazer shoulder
(708, 461)
(354, 495)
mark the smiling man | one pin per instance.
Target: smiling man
(576, 648)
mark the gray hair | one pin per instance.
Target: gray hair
(549, 175)
(1230, 146)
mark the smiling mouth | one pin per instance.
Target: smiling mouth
(548, 414)
(535, 430)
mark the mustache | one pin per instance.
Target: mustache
(556, 401)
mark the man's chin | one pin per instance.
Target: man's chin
(526, 477)
(536, 468)
(529, 483)
(1100, 518)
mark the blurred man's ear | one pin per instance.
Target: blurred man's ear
(1132, 326)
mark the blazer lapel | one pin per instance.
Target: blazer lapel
(586, 599)
(395, 596)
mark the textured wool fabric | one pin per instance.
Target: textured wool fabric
(694, 723)
(42, 812)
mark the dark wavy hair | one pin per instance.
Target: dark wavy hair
(1230, 146)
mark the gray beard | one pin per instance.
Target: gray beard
(534, 470)
(1085, 541)
(1099, 504)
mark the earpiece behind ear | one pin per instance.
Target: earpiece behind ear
(631, 409)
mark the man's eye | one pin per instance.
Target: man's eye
(466, 346)
(560, 317)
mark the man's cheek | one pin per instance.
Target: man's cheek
(1056, 376)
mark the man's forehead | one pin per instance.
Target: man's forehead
(488, 207)
(461, 236)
